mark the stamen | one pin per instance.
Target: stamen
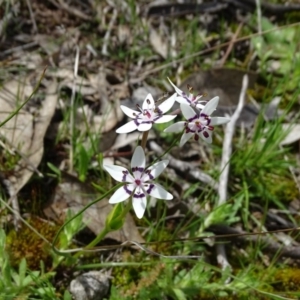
(139, 108)
(190, 88)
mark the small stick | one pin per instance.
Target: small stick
(227, 150)
(144, 139)
(230, 46)
(107, 34)
(35, 29)
(73, 108)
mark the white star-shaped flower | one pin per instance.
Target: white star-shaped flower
(198, 123)
(147, 115)
(138, 184)
(191, 99)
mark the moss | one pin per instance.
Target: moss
(281, 187)
(287, 280)
(132, 279)
(27, 244)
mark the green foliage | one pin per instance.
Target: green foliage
(278, 53)
(225, 213)
(263, 165)
(22, 283)
(27, 244)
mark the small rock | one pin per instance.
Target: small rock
(93, 285)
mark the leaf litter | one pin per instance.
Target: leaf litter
(104, 81)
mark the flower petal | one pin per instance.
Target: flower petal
(159, 192)
(200, 106)
(182, 100)
(144, 126)
(165, 119)
(187, 111)
(149, 102)
(138, 158)
(218, 120)
(119, 196)
(139, 206)
(129, 112)
(206, 135)
(156, 169)
(118, 173)
(167, 104)
(175, 127)
(128, 127)
(185, 137)
(210, 106)
(178, 91)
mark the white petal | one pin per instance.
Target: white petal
(149, 102)
(159, 192)
(219, 120)
(167, 104)
(185, 137)
(210, 106)
(139, 206)
(200, 106)
(206, 139)
(138, 158)
(144, 126)
(165, 119)
(117, 173)
(178, 91)
(187, 111)
(182, 100)
(129, 112)
(175, 127)
(128, 127)
(119, 196)
(157, 168)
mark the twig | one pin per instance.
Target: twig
(202, 52)
(227, 150)
(189, 169)
(35, 29)
(230, 46)
(73, 11)
(17, 48)
(227, 144)
(270, 245)
(73, 109)
(107, 34)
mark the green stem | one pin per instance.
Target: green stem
(56, 250)
(98, 239)
(105, 231)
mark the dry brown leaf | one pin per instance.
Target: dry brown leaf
(24, 133)
(293, 134)
(71, 194)
(158, 43)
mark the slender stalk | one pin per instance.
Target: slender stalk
(105, 230)
(144, 139)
